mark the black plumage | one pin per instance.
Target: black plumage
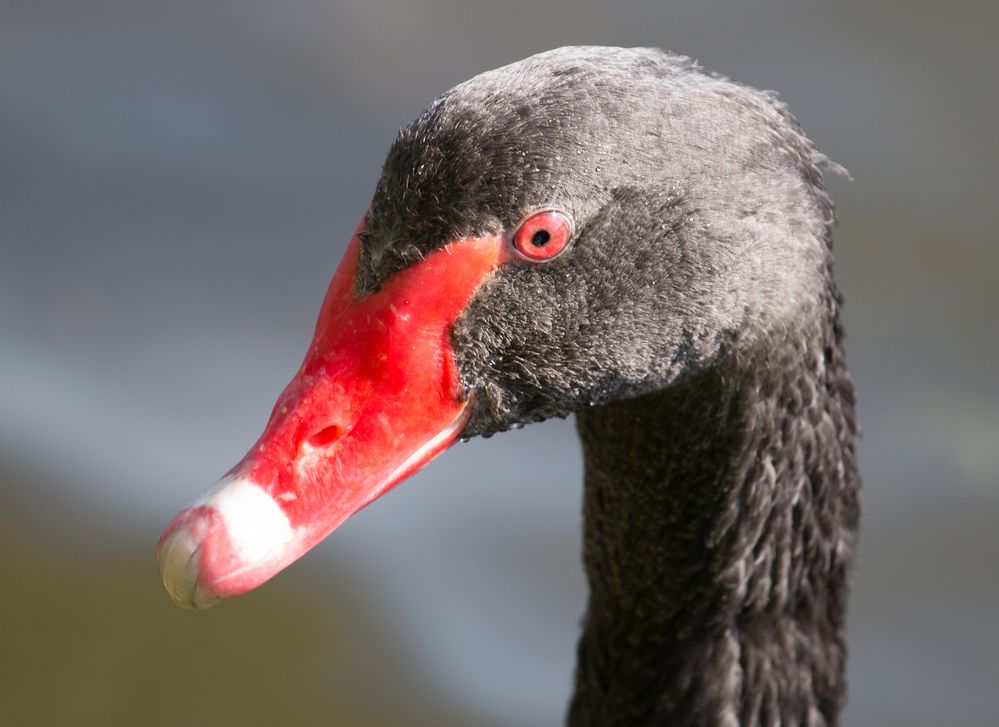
(694, 328)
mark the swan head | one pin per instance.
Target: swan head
(585, 225)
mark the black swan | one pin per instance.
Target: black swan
(613, 233)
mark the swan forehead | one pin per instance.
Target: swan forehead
(569, 128)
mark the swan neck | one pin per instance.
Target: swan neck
(720, 517)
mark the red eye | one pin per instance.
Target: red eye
(543, 235)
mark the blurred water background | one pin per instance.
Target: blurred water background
(177, 183)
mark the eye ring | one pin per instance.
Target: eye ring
(543, 235)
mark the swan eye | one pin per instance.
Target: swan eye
(543, 235)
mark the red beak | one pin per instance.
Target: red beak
(376, 398)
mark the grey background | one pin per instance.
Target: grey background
(177, 183)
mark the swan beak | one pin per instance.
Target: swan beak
(376, 398)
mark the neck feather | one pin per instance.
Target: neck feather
(720, 519)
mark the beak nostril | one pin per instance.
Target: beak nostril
(326, 435)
